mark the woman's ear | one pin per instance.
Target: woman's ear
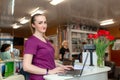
(33, 25)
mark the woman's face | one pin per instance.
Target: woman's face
(7, 49)
(40, 24)
(66, 44)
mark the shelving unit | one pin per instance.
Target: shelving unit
(77, 38)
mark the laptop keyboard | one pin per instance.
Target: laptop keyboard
(71, 73)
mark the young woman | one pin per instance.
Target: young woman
(64, 51)
(38, 53)
(5, 52)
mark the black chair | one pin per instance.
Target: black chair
(111, 73)
(118, 76)
(25, 74)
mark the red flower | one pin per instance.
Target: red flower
(109, 37)
(95, 36)
(90, 36)
(107, 33)
(103, 33)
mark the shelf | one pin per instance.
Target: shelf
(81, 31)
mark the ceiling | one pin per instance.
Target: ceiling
(80, 11)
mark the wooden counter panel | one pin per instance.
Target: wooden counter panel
(115, 56)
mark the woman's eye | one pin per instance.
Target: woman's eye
(40, 23)
(45, 22)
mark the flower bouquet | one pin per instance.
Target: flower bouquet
(101, 41)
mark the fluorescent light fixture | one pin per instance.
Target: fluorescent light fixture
(15, 26)
(24, 20)
(13, 5)
(106, 22)
(37, 11)
(55, 2)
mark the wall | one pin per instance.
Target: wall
(115, 31)
(20, 32)
(26, 31)
(6, 30)
(51, 30)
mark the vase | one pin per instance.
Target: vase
(100, 62)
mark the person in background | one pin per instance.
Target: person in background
(5, 52)
(16, 53)
(56, 55)
(38, 57)
(64, 51)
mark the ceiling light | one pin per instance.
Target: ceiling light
(37, 11)
(13, 5)
(106, 22)
(24, 20)
(55, 2)
(15, 26)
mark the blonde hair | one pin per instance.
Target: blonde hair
(64, 42)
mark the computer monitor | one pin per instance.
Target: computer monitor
(90, 48)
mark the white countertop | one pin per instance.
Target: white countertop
(12, 60)
(87, 71)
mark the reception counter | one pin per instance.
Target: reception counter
(91, 73)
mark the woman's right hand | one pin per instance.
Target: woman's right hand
(56, 70)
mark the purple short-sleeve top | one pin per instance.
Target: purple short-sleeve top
(43, 55)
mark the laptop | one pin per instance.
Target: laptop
(75, 72)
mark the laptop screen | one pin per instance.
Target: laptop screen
(84, 64)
